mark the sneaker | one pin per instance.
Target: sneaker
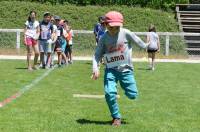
(66, 63)
(70, 62)
(59, 66)
(42, 66)
(35, 67)
(116, 122)
(149, 67)
(48, 67)
(30, 69)
(153, 68)
(51, 66)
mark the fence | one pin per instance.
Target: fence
(172, 43)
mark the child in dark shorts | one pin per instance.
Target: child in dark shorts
(153, 47)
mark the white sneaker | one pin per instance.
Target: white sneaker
(35, 67)
(149, 67)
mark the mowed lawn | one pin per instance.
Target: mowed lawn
(169, 100)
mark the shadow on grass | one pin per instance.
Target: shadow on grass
(86, 121)
(144, 69)
(88, 63)
(21, 68)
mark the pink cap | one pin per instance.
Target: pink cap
(114, 18)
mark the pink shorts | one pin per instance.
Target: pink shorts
(30, 41)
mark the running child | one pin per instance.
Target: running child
(153, 47)
(116, 47)
(61, 42)
(69, 38)
(45, 40)
(31, 34)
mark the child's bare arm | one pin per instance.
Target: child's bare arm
(148, 39)
(158, 44)
(25, 29)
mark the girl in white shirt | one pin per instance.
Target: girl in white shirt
(31, 34)
(154, 46)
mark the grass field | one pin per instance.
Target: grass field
(168, 102)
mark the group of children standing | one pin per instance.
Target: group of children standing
(51, 35)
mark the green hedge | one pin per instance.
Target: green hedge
(156, 4)
(14, 14)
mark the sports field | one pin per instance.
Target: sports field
(168, 102)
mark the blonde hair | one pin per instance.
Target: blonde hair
(152, 28)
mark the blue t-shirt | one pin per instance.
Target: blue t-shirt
(99, 31)
(96, 28)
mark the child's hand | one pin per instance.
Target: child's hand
(95, 75)
(50, 41)
(36, 37)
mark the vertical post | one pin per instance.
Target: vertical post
(18, 41)
(178, 17)
(167, 45)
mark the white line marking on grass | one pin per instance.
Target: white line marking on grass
(90, 96)
(24, 89)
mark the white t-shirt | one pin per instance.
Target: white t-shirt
(153, 40)
(31, 28)
(54, 28)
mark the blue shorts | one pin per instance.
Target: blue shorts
(44, 46)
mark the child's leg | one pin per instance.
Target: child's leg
(149, 59)
(42, 58)
(59, 57)
(49, 50)
(42, 51)
(36, 51)
(52, 53)
(64, 57)
(70, 53)
(66, 53)
(63, 48)
(128, 83)
(28, 47)
(52, 58)
(153, 60)
(110, 83)
(48, 59)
